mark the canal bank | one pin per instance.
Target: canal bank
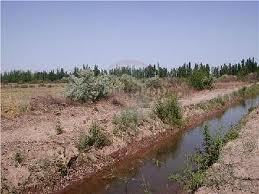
(237, 170)
(147, 169)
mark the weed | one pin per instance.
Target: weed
(62, 168)
(231, 135)
(169, 111)
(18, 158)
(59, 128)
(130, 84)
(96, 138)
(127, 120)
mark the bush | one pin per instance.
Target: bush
(96, 138)
(126, 120)
(169, 111)
(87, 87)
(201, 80)
(153, 83)
(18, 157)
(130, 84)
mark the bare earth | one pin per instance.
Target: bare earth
(34, 136)
(237, 170)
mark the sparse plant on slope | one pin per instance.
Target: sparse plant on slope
(18, 157)
(87, 87)
(169, 110)
(126, 121)
(96, 138)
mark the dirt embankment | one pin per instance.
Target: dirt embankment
(237, 170)
(34, 155)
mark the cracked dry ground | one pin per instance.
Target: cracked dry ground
(237, 170)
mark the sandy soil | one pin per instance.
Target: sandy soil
(237, 170)
(34, 136)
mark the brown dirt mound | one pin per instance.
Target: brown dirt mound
(47, 103)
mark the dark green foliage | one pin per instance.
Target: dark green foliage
(169, 110)
(185, 71)
(96, 138)
(231, 135)
(18, 157)
(200, 80)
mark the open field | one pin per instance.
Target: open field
(41, 148)
(15, 100)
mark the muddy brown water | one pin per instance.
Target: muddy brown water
(150, 174)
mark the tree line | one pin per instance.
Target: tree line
(242, 68)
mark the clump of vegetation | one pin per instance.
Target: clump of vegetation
(18, 158)
(96, 138)
(130, 84)
(193, 175)
(169, 110)
(213, 103)
(62, 167)
(200, 80)
(87, 87)
(153, 83)
(126, 121)
(117, 102)
(59, 128)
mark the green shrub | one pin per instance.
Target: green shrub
(201, 80)
(87, 87)
(127, 120)
(130, 84)
(153, 83)
(169, 111)
(96, 138)
(18, 157)
(62, 167)
(231, 135)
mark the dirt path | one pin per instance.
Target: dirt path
(220, 90)
(237, 170)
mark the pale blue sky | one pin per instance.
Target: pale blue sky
(47, 35)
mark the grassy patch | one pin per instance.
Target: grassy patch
(169, 111)
(219, 101)
(96, 138)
